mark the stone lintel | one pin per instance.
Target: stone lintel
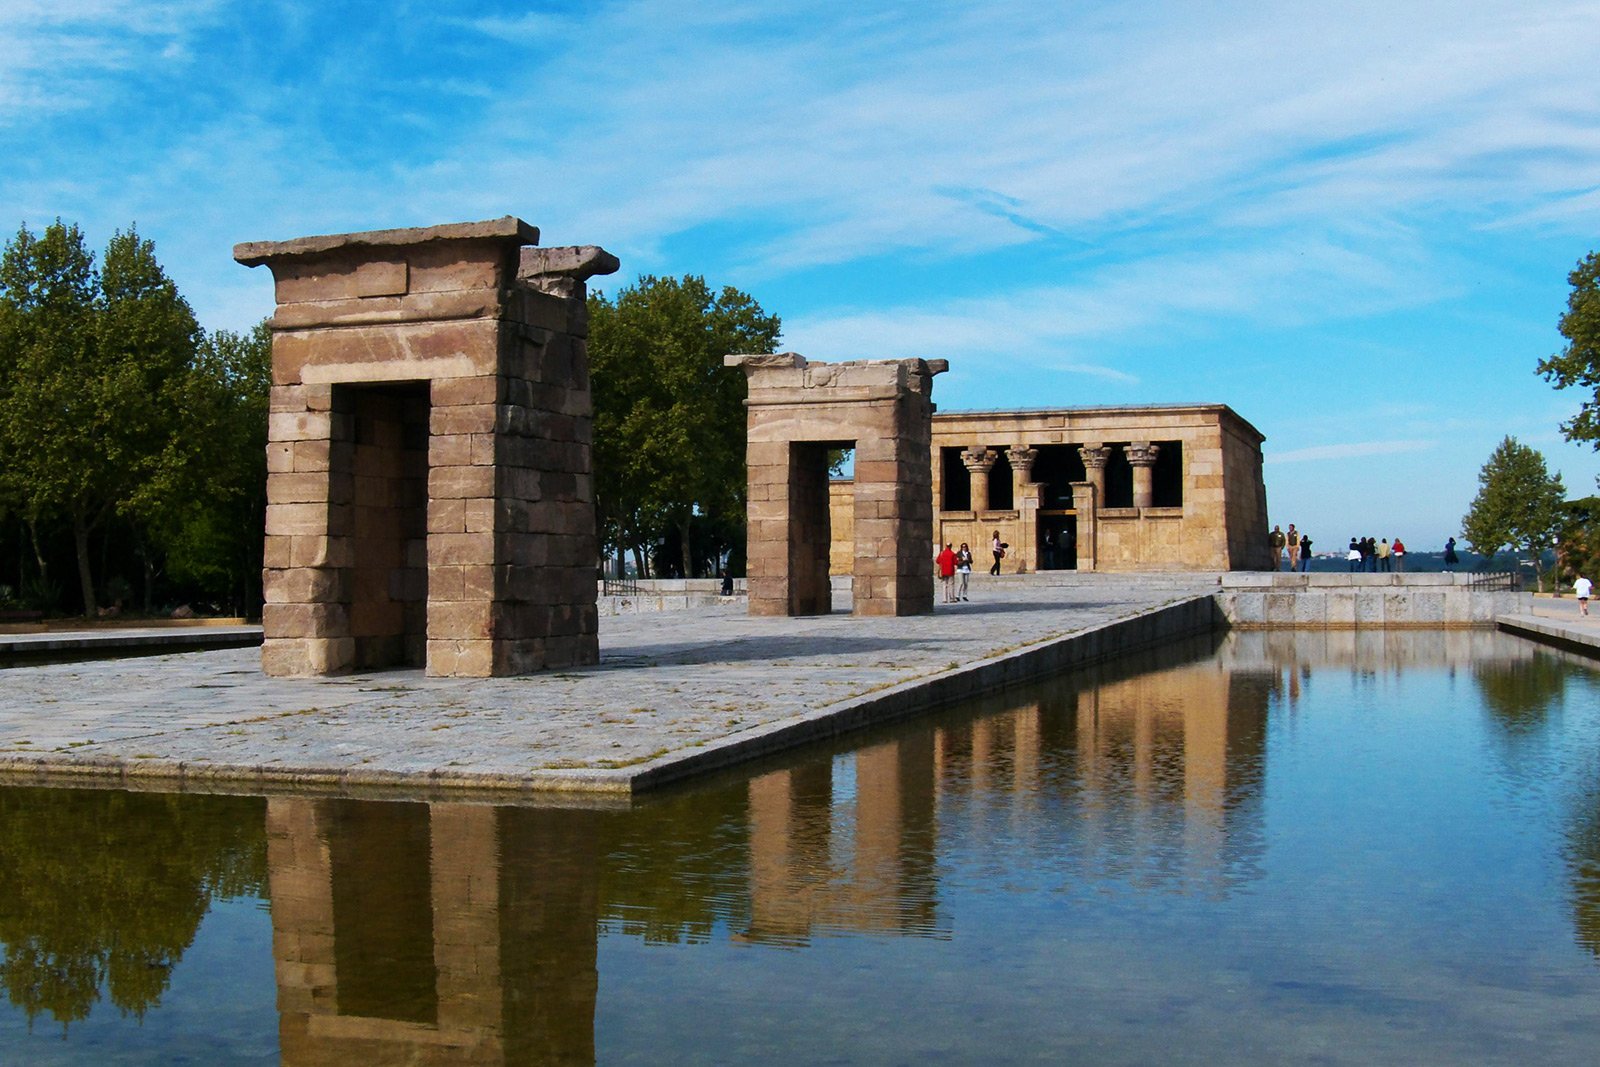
(570, 261)
(505, 228)
(788, 377)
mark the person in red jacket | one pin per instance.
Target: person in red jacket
(947, 573)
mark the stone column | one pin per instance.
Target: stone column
(1142, 457)
(979, 462)
(1025, 498)
(1085, 501)
(1094, 456)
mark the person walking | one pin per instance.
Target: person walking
(1398, 551)
(1276, 541)
(999, 551)
(1581, 588)
(1291, 541)
(1305, 553)
(963, 570)
(947, 573)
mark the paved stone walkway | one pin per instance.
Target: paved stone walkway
(667, 683)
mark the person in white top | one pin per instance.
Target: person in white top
(1581, 588)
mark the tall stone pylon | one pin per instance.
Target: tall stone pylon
(430, 495)
(797, 410)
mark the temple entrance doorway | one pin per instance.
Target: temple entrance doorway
(1058, 541)
(385, 457)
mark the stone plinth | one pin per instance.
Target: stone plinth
(798, 410)
(430, 495)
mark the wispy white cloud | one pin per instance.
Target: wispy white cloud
(1348, 450)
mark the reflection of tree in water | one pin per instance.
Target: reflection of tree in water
(1583, 861)
(103, 891)
(676, 865)
(1520, 692)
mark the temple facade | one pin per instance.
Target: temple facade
(1116, 489)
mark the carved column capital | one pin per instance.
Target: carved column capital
(1022, 459)
(980, 460)
(1141, 453)
(1094, 455)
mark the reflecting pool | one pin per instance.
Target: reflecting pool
(1268, 848)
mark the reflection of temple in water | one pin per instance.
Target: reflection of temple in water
(1154, 774)
(433, 933)
(456, 934)
(1159, 773)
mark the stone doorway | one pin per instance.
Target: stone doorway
(810, 534)
(385, 461)
(1058, 541)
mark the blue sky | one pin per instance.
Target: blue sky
(1352, 222)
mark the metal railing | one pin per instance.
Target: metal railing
(619, 587)
(1504, 581)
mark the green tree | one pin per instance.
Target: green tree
(1579, 363)
(96, 371)
(1519, 503)
(669, 417)
(206, 513)
(48, 287)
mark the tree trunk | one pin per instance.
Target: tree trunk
(38, 555)
(687, 553)
(639, 570)
(80, 540)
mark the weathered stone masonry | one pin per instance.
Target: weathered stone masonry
(797, 411)
(430, 496)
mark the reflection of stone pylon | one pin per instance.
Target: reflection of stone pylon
(858, 863)
(499, 968)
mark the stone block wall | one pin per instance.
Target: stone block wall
(430, 495)
(1361, 601)
(797, 411)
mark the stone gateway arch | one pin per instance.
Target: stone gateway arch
(798, 410)
(430, 498)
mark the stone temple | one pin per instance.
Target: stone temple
(1115, 489)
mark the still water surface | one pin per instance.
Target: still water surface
(1342, 848)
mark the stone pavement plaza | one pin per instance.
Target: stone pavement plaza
(668, 686)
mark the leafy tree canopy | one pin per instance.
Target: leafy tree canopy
(669, 417)
(115, 409)
(1578, 365)
(1519, 503)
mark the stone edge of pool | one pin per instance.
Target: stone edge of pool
(1184, 617)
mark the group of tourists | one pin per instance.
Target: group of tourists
(1293, 545)
(955, 567)
(1367, 554)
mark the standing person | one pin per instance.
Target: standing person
(1382, 552)
(1369, 555)
(999, 551)
(1354, 555)
(1450, 557)
(727, 583)
(1276, 541)
(1398, 551)
(963, 569)
(947, 573)
(1581, 588)
(1305, 553)
(1291, 541)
